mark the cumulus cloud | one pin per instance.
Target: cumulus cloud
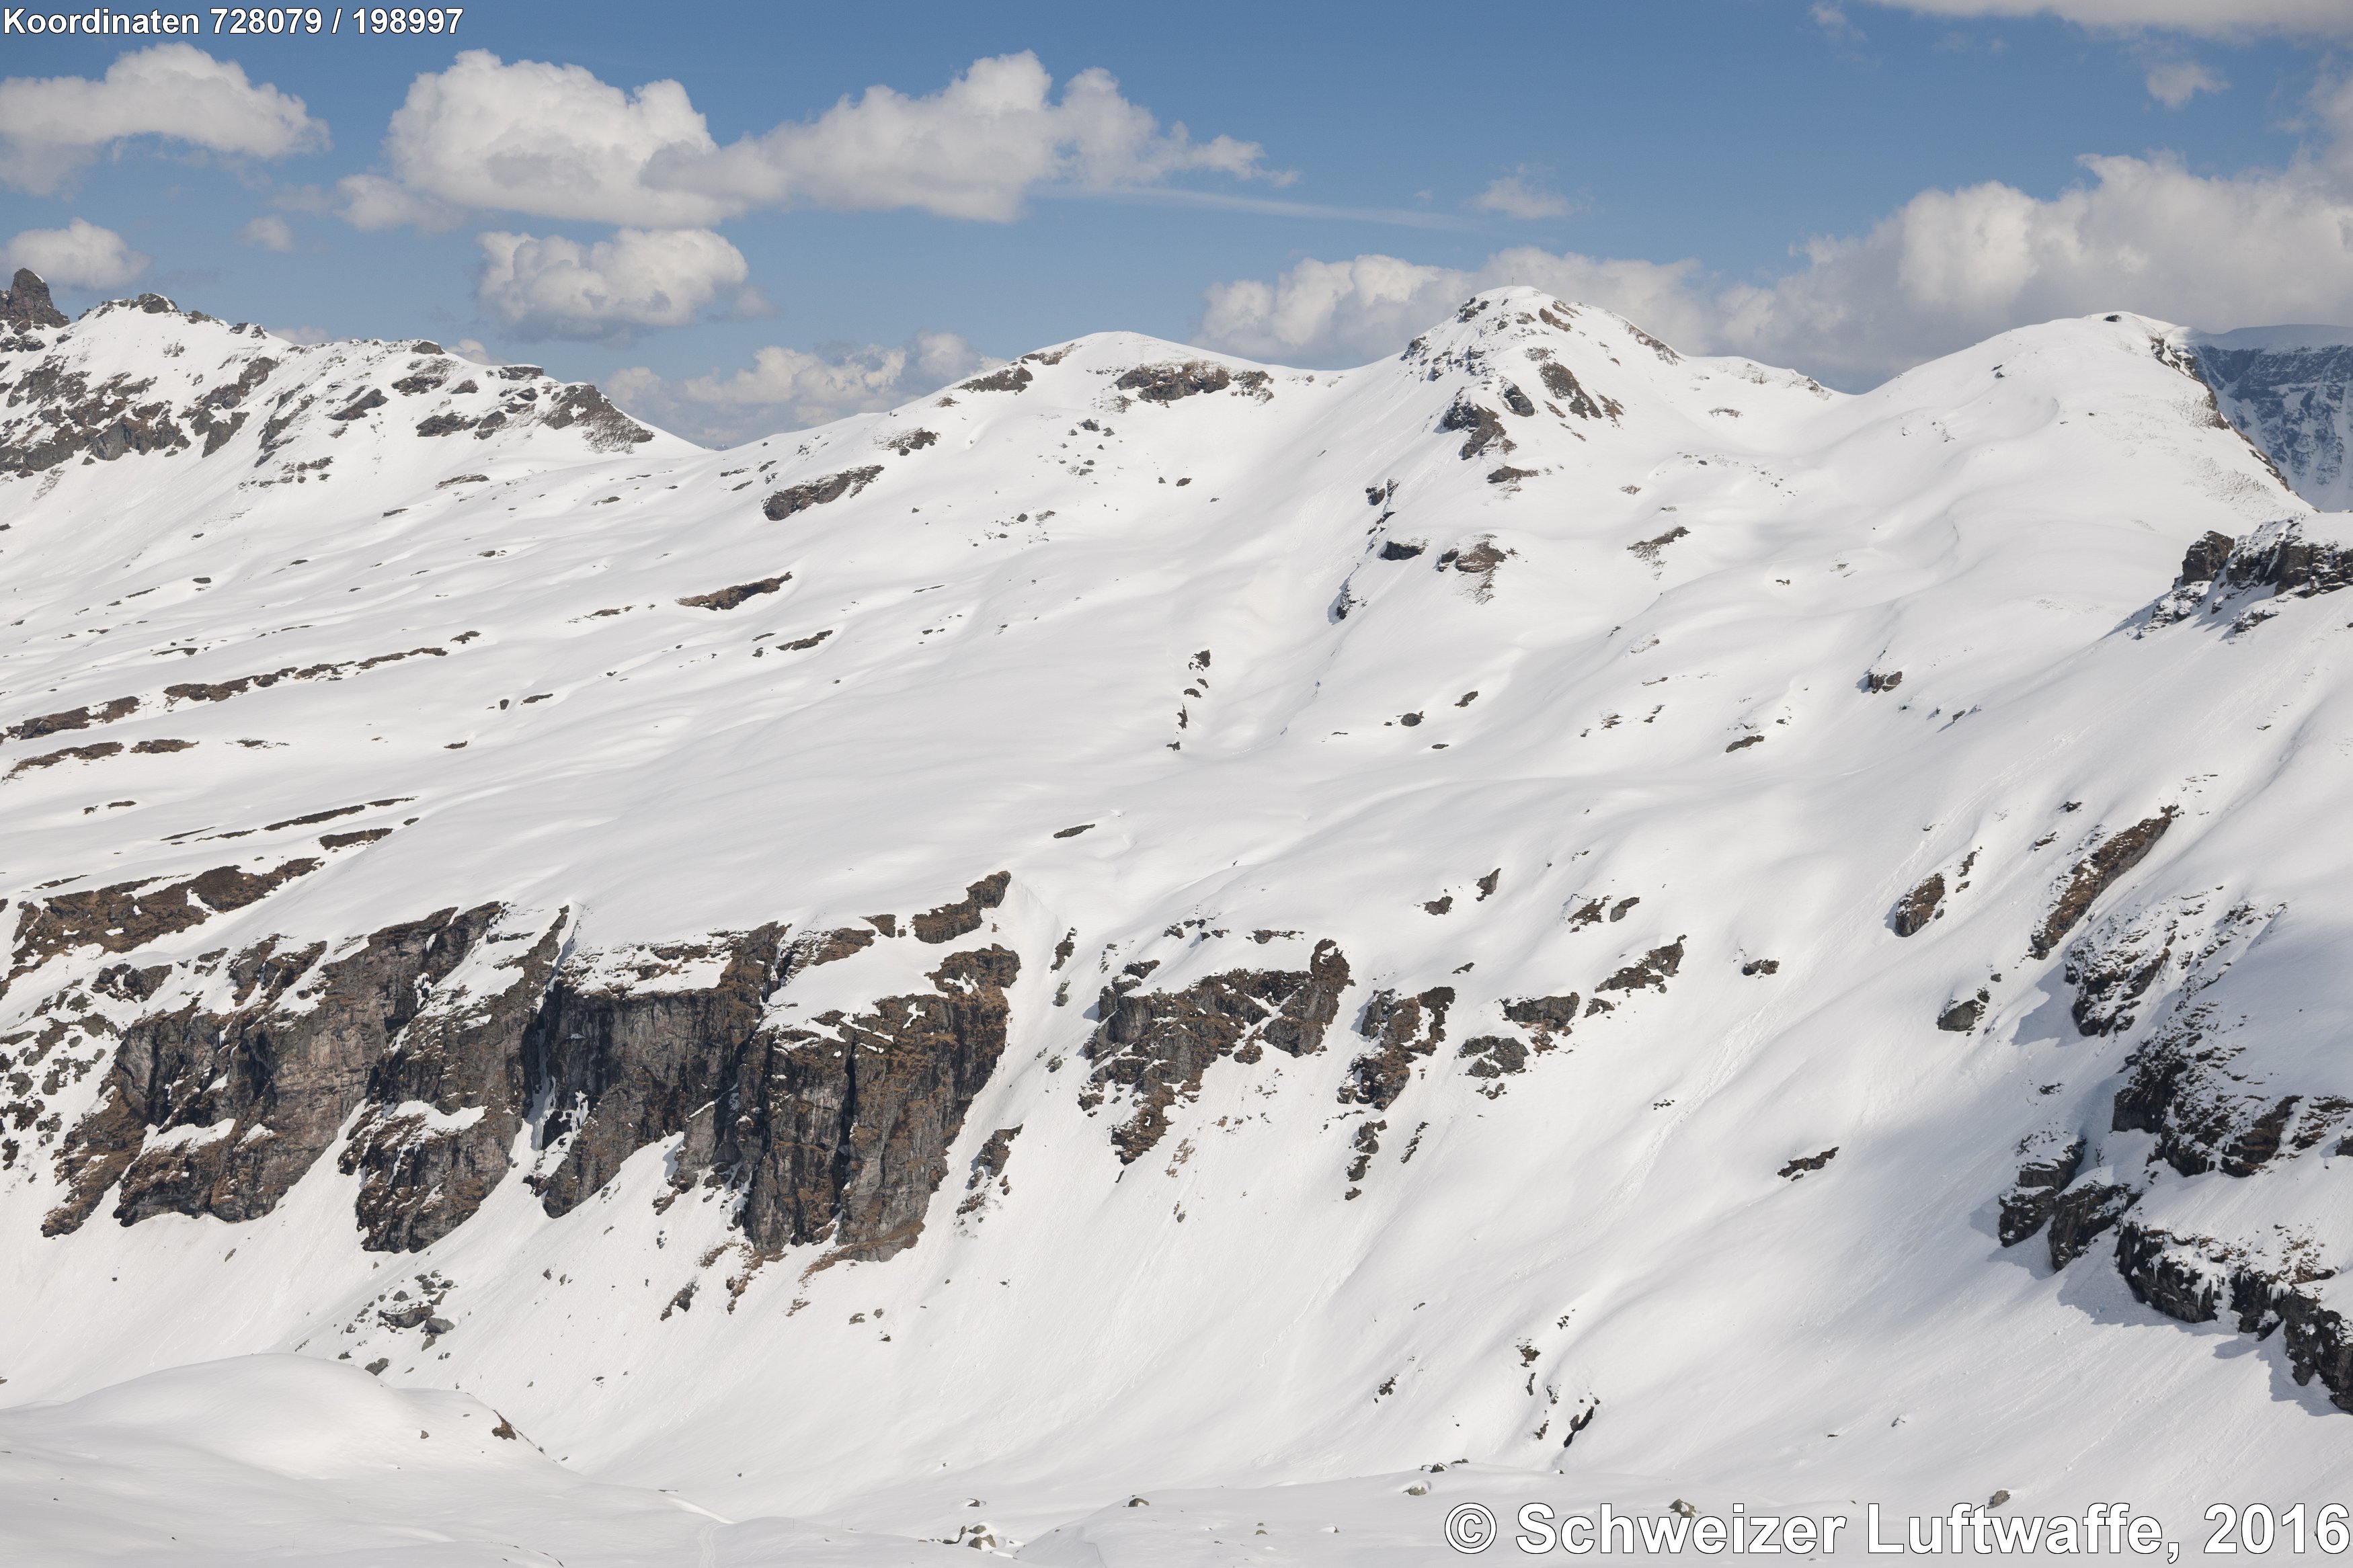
(2175, 82)
(51, 127)
(81, 256)
(1946, 270)
(556, 141)
(2212, 18)
(1512, 196)
(548, 140)
(268, 231)
(972, 149)
(558, 288)
(787, 388)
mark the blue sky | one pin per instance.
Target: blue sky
(1672, 160)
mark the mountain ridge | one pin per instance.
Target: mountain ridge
(1608, 847)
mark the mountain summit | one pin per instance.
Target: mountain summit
(1153, 922)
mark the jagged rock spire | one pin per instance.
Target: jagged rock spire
(26, 304)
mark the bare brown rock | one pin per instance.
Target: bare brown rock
(1402, 1028)
(2081, 1214)
(950, 921)
(1483, 427)
(1154, 1045)
(728, 598)
(71, 754)
(1012, 378)
(73, 718)
(809, 493)
(2094, 875)
(129, 915)
(2049, 1164)
(1651, 971)
(1918, 906)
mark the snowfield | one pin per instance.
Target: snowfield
(1156, 928)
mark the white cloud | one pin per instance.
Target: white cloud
(1833, 19)
(972, 149)
(269, 232)
(548, 140)
(52, 126)
(558, 288)
(1944, 270)
(787, 388)
(2175, 82)
(1512, 196)
(81, 256)
(556, 141)
(2212, 18)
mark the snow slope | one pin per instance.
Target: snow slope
(1447, 994)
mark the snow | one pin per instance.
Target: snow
(1018, 613)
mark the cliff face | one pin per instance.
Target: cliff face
(1149, 910)
(2290, 391)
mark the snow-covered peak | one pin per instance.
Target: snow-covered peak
(1439, 909)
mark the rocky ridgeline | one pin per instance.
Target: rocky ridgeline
(202, 387)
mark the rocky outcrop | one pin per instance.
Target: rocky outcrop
(1152, 1047)
(80, 718)
(1545, 1017)
(1961, 1014)
(1563, 384)
(2196, 1280)
(2079, 1216)
(606, 427)
(1918, 906)
(1012, 378)
(809, 493)
(988, 1180)
(950, 921)
(1649, 973)
(2050, 1160)
(728, 598)
(2278, 561)
(26, 305)
(1494, 1056)
(1170, 383)
(1402, 1028)
(1483, 427)
(72, 417)
(2094, 875)
(129, 915)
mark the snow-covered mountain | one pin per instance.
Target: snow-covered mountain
(1152, 923)
(2290, 389)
